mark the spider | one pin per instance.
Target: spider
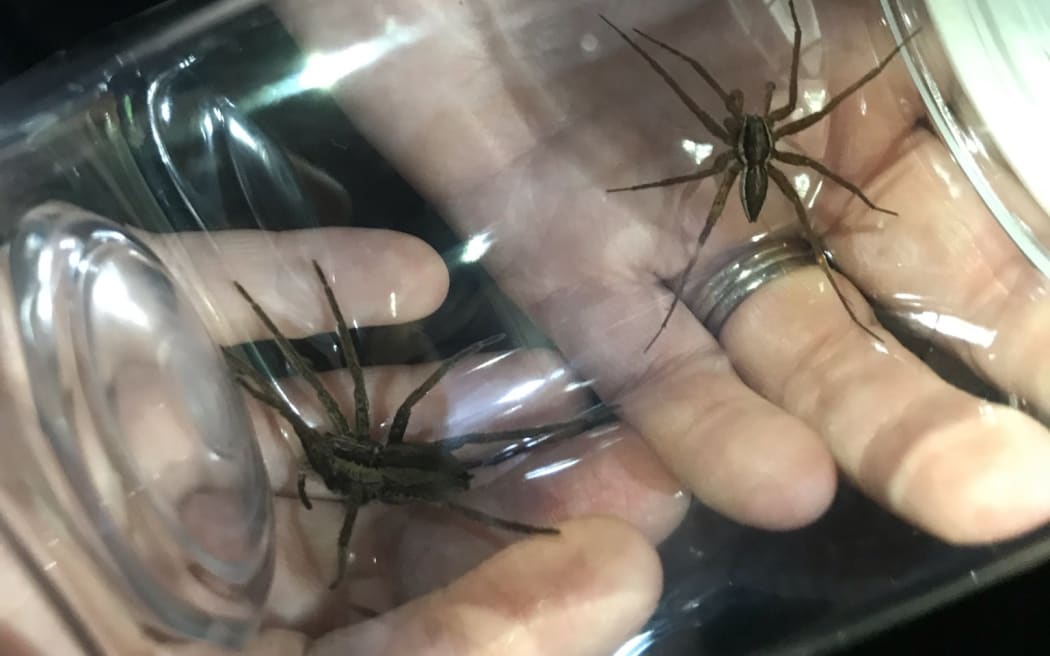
(361, 470)
(752, 140)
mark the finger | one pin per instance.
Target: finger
(693, 410)
(608, 472)
(689, 403)
(379, 276)
(962, 468)
(947, 263)
(32, 622)
(583, 592)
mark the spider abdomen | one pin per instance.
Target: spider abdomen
(754, 145)
(754, 181)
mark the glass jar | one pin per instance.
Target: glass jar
(445, 169)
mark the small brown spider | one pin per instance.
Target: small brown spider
(752, 140)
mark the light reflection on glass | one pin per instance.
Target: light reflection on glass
(493, 360)
(553, 468)
(393, 305)
(322, 70)
(955, 327)
(637, 645)
(522, 391)
(814, 100)
(801, 183)
(476, 247)
(698, 151)
(207, 126)
(43, 307)
(584, 384)
(238, 132)
(113, 294)
(972, 143)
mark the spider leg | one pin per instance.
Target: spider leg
(716, 167)
(780, 180)
(343, 545)
(806, 121)
(335, 415)
(533, 437)
(400, 422)
(731, 103)
(261, 389)
(301, 487)
(770, 88)
(362, 423)
(712, 218)
(711, 124)
(802, 160)
(796, 51)
(496, 522)
(594, 416)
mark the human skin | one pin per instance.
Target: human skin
(441, 583)
(510, 135)
(514, 117)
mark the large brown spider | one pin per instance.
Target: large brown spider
(361, 470)
(752, 140)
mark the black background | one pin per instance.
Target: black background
(1008, 618)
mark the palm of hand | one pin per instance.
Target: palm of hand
(527, 126)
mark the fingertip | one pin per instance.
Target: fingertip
(422, 279)
(623, 547)
(740, 454)
(979, 480)
(795, 486)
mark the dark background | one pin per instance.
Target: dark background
(1007, 618)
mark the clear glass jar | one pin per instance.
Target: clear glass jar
(446, 166)
(981, 72)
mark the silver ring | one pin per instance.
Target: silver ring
(763, 261)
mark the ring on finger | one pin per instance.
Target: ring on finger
(761, 262)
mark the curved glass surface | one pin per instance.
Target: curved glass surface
(451, 178)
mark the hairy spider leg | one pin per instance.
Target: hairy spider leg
(768, 102)
(796, 52)
(262, 389)
(343, 544)
(711, 124)
(717, 206)
(266, 394)
(802, 160)
(400, 422)
(362, 423)
(806, 121)
(815, 243)
(536, 437)
(496, 522)
(733, 100)
(717, 166)
(335, 414)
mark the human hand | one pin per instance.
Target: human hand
(584, 591)
(515, 116)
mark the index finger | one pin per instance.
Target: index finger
(380, 277)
